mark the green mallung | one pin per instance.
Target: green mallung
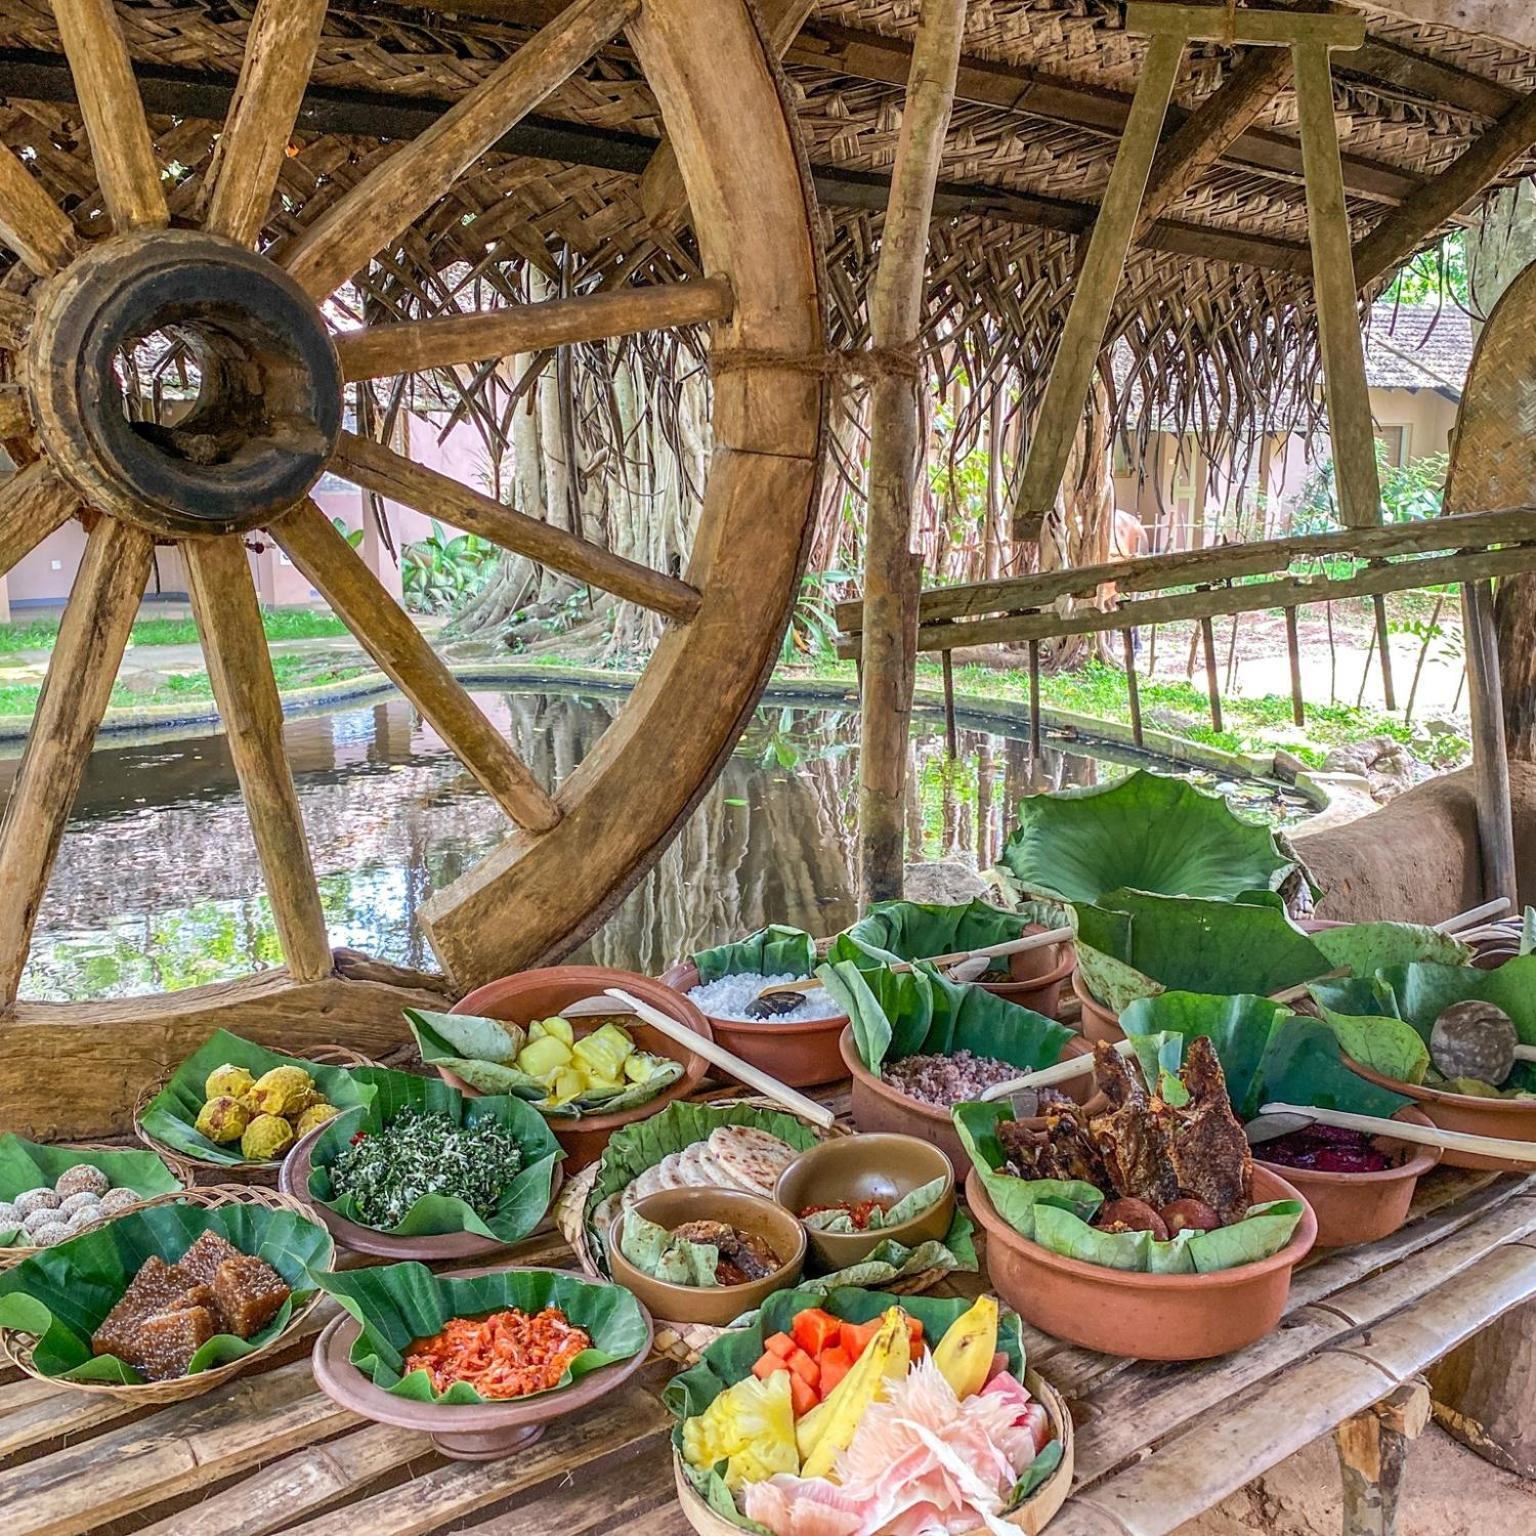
(426, 1153)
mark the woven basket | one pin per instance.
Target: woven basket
(12, 1256)
(684, 1342)
(17, 1347)
(191, 1170)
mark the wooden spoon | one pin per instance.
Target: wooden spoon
(1472, 916)
(1281, 1119)
(1046, 1077)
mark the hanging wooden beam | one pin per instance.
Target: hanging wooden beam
(1132, 683)
(892, 574)
(1293, 654)
(1490, 762)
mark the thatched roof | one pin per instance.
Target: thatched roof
(1044, 86)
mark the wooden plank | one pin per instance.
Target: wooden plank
(1384, 650)
(616, 1493)
(33, 502)
(1336, 286)
(279, 53)
(1098, 280)
(1224, 24)
(229, 624)
(377, 351)
(391, 197)
(1378, 59)
(15, 308)
(103, 603)
(30, 222)
(386, 632)
(381, 470)
(1212, 674)
(1490, 758)
(122, 153)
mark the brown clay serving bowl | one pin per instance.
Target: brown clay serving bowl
(713, 1305)
(531, 995)
(1098, 1022)
(1362, 1207)
(877, 1106)
(1142, 1316)
(801, 1054)
(467, 1431)
(875, 1167)
(1512, 1119)
(1036, 977)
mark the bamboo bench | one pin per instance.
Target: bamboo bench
(1157, 1444)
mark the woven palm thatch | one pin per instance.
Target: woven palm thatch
(1215, 311)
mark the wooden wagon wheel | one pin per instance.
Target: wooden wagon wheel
(268, 423)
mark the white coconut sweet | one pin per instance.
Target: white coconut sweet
(51, 1233)
(83, 1200)
(87, 1216)
(116, 1200)
(81, 1179)
(34, 1221)
(9, 1216)
(35, 1200)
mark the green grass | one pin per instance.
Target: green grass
(279, 624)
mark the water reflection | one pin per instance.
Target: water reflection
(157, 884)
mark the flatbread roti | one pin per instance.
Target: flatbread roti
(699, 1169)
(750, 1158)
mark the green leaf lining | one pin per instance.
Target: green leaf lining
(773, 951)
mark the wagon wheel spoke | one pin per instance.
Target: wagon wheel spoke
(414, 346)
(385, 631)
(92, 636)
(32, 504)
(385, 202)
(30, 223)
(387, 473)
(121, 148)
(279, 53)
(240, 668)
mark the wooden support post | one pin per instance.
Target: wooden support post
(1034, 708)
(1490, 765)
(1212, 678)
(951, 735)
(1373, 1449)
(1293, 650)
(892, 574)
(1389, 692)
(1133, 687)
(1485, 1392)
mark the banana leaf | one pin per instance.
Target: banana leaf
(62, 1295)
(1188, 944)
(456, 1041)
(891, 1261)
(1146, 832)
(911, 930)
(28, 1165)
(171, 1116)
(772, 951)
(920, 1012)
(521, 1205)
(1056, 1213)
(397, 1304)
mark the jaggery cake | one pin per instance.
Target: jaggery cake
(167, 1341)
(156, 1287)
(201, 1261)
(249, 1293)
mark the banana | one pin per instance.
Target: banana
(964, 1355)
(886, 1358)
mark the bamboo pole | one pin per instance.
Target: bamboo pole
(1133, 688)
(1293, 651)
(892, 575)
(1490, 765)
(1388, 691)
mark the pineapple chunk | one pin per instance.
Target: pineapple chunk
(543, 1057)
(639, 1066)
(556, 1028)
(569, 1083)
(604, 1052)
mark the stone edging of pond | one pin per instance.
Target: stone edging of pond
(975, 710)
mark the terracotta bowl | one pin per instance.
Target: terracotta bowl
(1037, 976)
(293, 1179)
(464, 1432)
(1098, 1022)
(1362, 1207)
(1513, 1119)
(531, 995)
(713, 1305)
(879, 1107)
(1143, 1317)
(874, 1167)
(802, 1055)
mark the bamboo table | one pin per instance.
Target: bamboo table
(1157, 1444)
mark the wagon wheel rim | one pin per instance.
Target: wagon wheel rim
(268, 423)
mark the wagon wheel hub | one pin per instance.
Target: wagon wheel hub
(267, 412)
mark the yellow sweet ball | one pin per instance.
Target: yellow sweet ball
(266, 1138)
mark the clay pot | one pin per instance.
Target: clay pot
(463, 1432)
(714, 1306)
(1141, 1316)
(802, 1054)
(876, 1167)
(1037, 976)
(1513, 1119)
(1098, 1022)
(531, 995)
(1362, 1207)
(876, 1106)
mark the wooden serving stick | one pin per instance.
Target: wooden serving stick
(1017, 946)
(1047, 1077)
(717, 1055)
(1473, 916)
(1285, 1117)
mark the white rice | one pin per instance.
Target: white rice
(728, 997)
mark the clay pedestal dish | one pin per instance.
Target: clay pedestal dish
(463, 1432)
(802, 1054)
(1512, 1119)
(541, 994)
(877, 1106)
(1098, 1022)
(857, 1168)
(1362, 1207)
(1142, 1316)
(1036, 976)
(712, 1305)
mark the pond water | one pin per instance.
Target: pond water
(157, 885)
